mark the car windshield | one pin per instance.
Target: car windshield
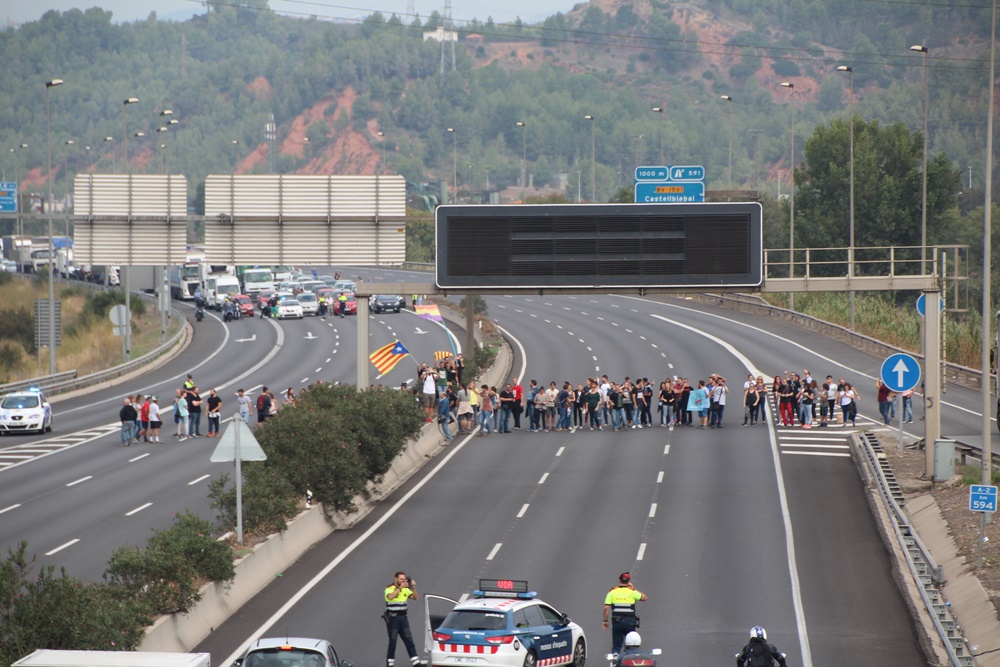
(244, 300)
(350, 297)
(290, 302)
(277, 657)
(258, 277)
(227, 289)
(307, 297)
(19, 402)
(191, 272)
(475, 620)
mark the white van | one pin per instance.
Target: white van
(217, 288)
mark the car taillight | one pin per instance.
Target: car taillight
(441, 637)
(506, 639)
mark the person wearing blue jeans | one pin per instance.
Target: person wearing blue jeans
(506, 402)
(908, 406)
(444, 413)
(127, 416)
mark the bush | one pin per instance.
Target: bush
(18, 326)
(481, 359)
(100, 302)
(165, 577)
(269, 500)
(479, 306)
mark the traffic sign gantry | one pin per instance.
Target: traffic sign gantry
(8, 197)
(669, 192)
(982, 498)
(900, 372)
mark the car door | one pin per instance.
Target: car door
(436, 608)
(558, 634)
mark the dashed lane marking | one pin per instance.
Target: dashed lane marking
(834, 454)
(545, 476)
(138, 509)
(141, 456)
(807, 446)
(642, 551)
(61, 547)
(9, 508)
(652, 510)
(80, 481)
(659, 478)
(195, 481)
(524, 508)
(493, 553)
(561, 450)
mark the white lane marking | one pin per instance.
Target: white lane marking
(628, 331)
(516, 310)
(524, 508)
(318, 369)
(548, 321)
(652, 510)
(12, 507)
(321, 575)
(785, 438)
(614, 324)
(615, 305)
(17, 456)
(334, 352)
(653, 344)
(141, 456)
(82, 479)
(327, 360)
(837, 454)
(580, 339)
(600, 318)
(558, 326)
(595, 357)
(593, 301)
(583, 313)
(666, 449)
(304, 379)
(547, 303)
(561, 449)
(670, 366)
(570, 333)
(800, 445)
(61, 547)
(545, 476)
(659, 478)
(533, 315)
(642, 551)
(463, 598)
(633, 310)
(642, 337)
(793, 569)
(566, 308)
(195, 481)
(138, 509)
(496, 548)
(597, 368)
(590, 349)
(664, 355)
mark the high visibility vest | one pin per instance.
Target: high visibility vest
(397, 605)
(622, 600)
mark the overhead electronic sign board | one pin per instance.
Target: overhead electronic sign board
(599, 246)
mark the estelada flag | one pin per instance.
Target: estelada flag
(386, 357)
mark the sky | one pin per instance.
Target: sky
(21, 11)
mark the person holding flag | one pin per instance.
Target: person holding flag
(386, 357)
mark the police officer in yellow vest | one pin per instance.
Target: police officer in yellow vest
(343, 303)
(397, 593)
(620, 604)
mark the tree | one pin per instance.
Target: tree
(887, 192)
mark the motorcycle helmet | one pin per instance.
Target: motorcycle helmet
(757, 632)
(633, 640)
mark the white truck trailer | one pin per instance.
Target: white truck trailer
(58, 658)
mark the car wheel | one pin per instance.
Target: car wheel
(49, 428)
(579, 653)
(530, 660)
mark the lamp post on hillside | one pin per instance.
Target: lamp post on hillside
(17, 179)
(729, 100)
(659, 110)
(48, 214)
(125, 105)
(114, 161)
(920, 48)
(66, 196)
(791, 201)
(381, 136)
(850, 237)
(593, 164)
(524, 158)
(454, 158)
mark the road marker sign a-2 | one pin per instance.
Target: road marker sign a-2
(982, 498)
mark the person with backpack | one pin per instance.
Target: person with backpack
(263, 406)
(759, 653)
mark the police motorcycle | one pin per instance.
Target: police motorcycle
(632, 654)
(199, 312)
(229, 311)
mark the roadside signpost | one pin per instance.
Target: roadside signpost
(669, 185)
(922, 305)
(983, 499)
(901, 372)
(236, 445)
(8, 197)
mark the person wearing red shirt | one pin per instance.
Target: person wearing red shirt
(518, 405)
(144, 419)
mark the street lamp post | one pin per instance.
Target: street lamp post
(850, 238)
(236, 154)
(66, 198)
(17, 178)
(114, 165)
(987, 455)
(381, 136)
(524, 158)
(125, 104)
(659, 110)
(791, 201)
(454, 158)
(48, 214)
(729, 99)
(920, 48)
(167, 122)
(593, 164)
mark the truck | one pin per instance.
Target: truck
(218, 287)
(59, 658)
(18, 250)
(185, 280)
(255, 279)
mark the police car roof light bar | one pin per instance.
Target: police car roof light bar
(503, 588)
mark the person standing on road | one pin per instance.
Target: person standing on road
(243, 401)
(144, 421)
(194, 410)
(127, 417)
(214, 406)
(181, 414)
(154, 420)
(619, 603)
(397, 594)
(263, 406)
(517, 407)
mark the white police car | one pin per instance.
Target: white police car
(503, 625)
(24, 412)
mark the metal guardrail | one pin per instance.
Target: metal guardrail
(43, 382)
(925, 571)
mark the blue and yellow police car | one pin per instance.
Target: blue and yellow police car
(25, 412)
(502, 624)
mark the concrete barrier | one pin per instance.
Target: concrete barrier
(182, 632)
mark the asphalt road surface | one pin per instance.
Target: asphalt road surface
(723, 529)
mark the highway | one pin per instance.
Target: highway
(75, 494)
(723, 529)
